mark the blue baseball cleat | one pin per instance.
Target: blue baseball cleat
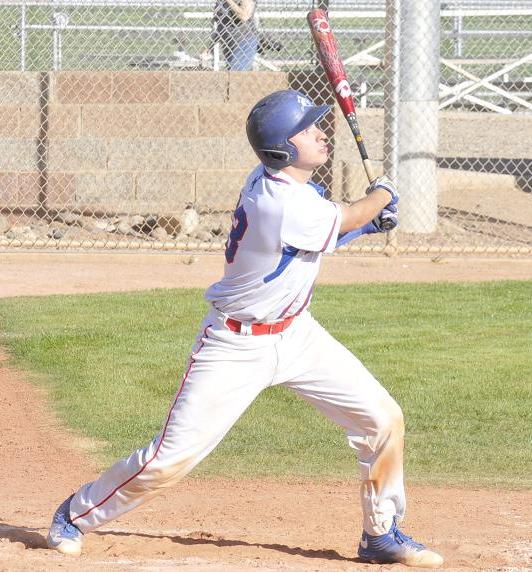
(394, 546)
(63, 536)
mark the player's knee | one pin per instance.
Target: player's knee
(390, 420)
(397, 420)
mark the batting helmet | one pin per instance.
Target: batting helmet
(276, 118)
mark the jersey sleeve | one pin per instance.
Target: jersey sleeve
(310, 222)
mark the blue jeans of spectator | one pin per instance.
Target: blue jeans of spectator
(242, 55)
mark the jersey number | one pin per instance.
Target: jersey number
(240, 225)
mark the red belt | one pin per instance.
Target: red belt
(260, 329)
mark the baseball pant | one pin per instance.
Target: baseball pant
(226, 372)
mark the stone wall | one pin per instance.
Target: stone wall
(141, 142)
(127, 141)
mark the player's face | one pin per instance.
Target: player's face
(312, 148)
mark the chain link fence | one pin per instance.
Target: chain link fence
(122, 123)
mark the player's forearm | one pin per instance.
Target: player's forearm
(244, 11)
(362, 211)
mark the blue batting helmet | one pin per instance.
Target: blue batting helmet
(276, 118)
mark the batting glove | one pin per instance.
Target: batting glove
(387, 219)
(387, 185)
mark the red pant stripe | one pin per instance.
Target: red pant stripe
(192, 361)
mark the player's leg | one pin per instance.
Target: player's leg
(225, 374)
(331, 378)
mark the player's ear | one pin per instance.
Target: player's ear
(277, 155)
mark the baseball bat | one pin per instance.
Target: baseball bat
(331, 62)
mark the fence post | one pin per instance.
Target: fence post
(363, 95)
(457, 31)
(23, 37)
(419, 73)
(60, 21)
(392, 50)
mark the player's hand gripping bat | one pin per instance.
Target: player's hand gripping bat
(327, 48)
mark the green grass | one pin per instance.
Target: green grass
(97, 49)
(456, 357)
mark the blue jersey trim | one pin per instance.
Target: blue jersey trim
(346, 237)
(289, 252)
(318, 188)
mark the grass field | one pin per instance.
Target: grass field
(119, 48)
(456, 357)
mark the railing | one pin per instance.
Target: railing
(473, 87)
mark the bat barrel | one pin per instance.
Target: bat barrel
(333, 66)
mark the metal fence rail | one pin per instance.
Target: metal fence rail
(122, 122)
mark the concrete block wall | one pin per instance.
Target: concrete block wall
(461, 134)
(155, 141)
(127, 141)
(349, 180)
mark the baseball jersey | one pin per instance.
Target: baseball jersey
(280, 229)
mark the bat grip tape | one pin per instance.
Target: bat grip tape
(355, 130)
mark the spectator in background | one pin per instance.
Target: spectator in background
(236, 32)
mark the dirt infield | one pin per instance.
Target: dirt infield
(222, 525)
(28, 274)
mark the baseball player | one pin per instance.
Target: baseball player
(259, 332)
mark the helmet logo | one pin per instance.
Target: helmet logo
(321, 25)
(343, 89)
(304, 102)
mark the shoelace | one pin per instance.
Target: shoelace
(404, 539)
(400, 537)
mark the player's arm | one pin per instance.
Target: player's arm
(380, 194)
